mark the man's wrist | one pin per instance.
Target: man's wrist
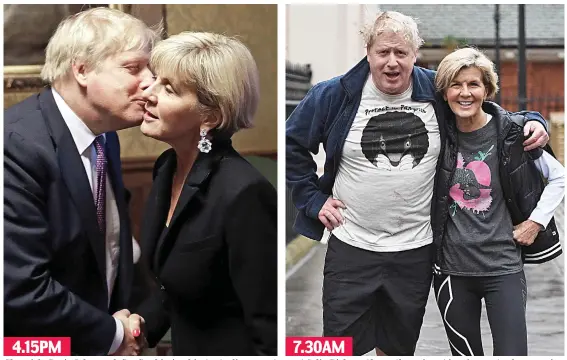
(118, 337)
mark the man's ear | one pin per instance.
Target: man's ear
(79, 72)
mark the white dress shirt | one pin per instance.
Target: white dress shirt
(84, 139)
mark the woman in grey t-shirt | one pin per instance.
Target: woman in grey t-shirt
(497, 206)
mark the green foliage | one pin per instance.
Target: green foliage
(452, 43)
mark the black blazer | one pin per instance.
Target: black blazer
(215, 266)
(54, 253)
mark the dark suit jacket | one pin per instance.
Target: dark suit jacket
(216, 263)
(54, 253)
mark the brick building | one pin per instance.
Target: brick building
(328, 39)
(445, 26)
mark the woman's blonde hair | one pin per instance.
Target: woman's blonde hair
(453, 63)
(220, 69)
(393, 21)
(93, 36)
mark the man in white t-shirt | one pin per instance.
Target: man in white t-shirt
(382, 131)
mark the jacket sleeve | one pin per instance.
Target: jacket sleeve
(35, 304)
(304, 129)
(156, 318)
(251, 237)
(522, 117)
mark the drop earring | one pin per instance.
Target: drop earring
(205, 144)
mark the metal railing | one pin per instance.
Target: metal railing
(543, 104)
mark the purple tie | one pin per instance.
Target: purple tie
(100, 201)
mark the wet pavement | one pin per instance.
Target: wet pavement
(545, 306)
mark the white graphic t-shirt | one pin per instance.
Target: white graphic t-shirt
(385, 177)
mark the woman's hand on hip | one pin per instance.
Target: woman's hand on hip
(526, 232)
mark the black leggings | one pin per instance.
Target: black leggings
(459, 300)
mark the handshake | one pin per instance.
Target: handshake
(134, 340)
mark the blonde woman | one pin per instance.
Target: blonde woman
(496, 210)
(209, 231)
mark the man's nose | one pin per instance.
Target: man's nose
(147, 78)
(392, 62)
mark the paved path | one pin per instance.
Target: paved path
(545, 307)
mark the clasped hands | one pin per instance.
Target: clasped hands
(134, 341)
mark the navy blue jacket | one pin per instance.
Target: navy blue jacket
(54, 253)
(325, 116)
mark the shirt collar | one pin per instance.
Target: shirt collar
(82, 135)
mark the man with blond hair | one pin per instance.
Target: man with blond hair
(383, 133)
(67, 241)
